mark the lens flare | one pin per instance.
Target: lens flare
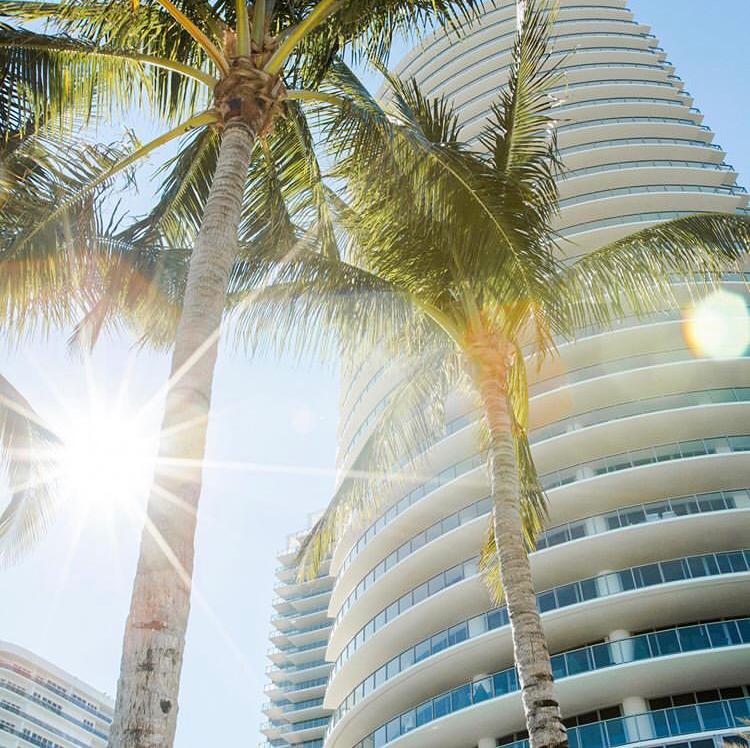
(718, 326)
(105, 461)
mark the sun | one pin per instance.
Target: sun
(105, 458)
(718, 326)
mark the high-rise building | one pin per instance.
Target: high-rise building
(42, 705)
(643, 574)
(298, 672)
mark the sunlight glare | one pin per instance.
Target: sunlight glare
(718, 326)
(105, 460)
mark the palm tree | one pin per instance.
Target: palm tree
(234, 78)
(452, 268)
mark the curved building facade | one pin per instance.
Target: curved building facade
(42, 705)
(643, 573)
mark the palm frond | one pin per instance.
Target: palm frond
(635, 275)
(412, 420)
(176, 216)
(28, 458)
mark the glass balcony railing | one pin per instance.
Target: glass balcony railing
(624, 100)
(467, 47)
(612, 583)
(664, 215)
(282, 617)
(71, 697)
(307, 724)
(607, 368)
(29, 719)
(652, 189)
(443, 477)
(671, 642)
(618, 121)
(639, 514)
(665, 723)
(454, 471)
(600, 103)
(649, 456)
(289, 687)
(374, 379)
(646, 164)
(640, 407)
(296, 650)
(470, 71)
(616, 142)
(15, 689)
(655, 511)
(302, 596)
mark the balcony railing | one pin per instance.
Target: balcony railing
(604, 585)
(655, 511)
(648, 456)
(614, 732)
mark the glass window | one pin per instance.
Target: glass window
(546, 601)
(417, 542)
(392, 668)
(404, 551)
(439, 641)
(503, 682)
(458, 633)
(405, 602)
(453, 575)
(579, 661)
(393, 729)
(436, 584)
(467, 514)
(391, 611)
(649, 574)
(407, 659)
(497, 618)
(450, 523)
(673, 570)
(567, 595)
(461, 697)
(667, 642)
(408, 721)
(441, 705)
(380, 620)
(420, 593)
(422, 650)
(432, 532)
(481, 690)
(379, 737)
(424, 713)
(694, 637)
(477, 626)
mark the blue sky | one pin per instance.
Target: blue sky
(68, 601)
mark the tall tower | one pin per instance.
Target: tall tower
(42, 705)
(643, 447)
(298, 672)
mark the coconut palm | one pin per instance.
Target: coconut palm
(452, 268)
(233, 77)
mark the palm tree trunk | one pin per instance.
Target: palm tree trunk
(146, 706)
(543, 719)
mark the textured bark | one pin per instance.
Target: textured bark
(542, 711)
(146, 706)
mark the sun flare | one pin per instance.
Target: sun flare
(718, 326)
(105, 459)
